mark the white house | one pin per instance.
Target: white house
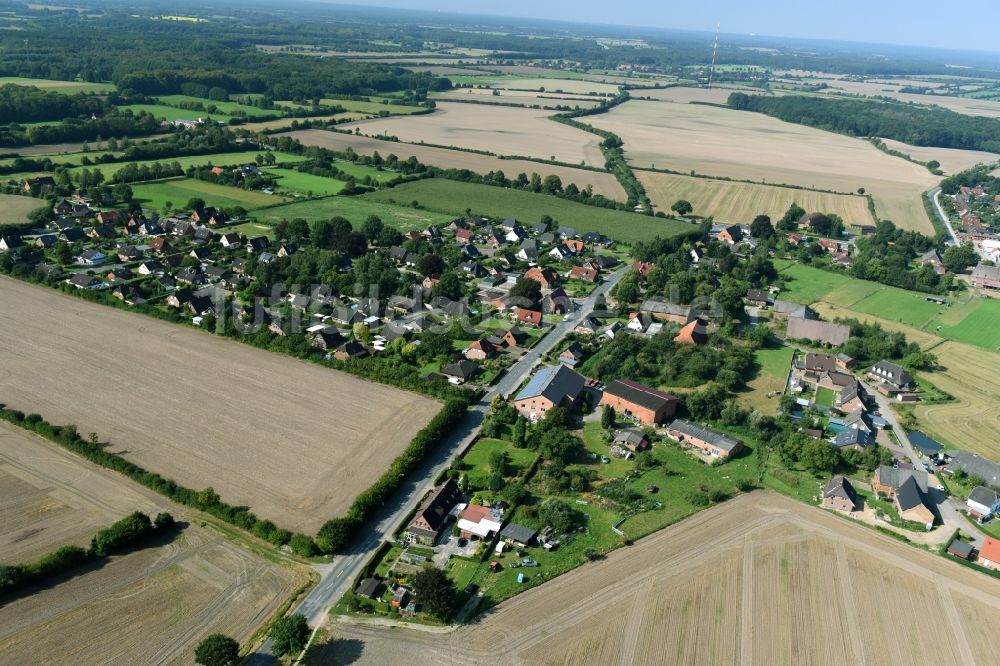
(92, 258)
(983, 502)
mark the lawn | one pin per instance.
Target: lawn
(306, 183)
(355, 209)
(360, 171)
(806, 284)
(14, 209)
(252, 229)
(228, 108)
(770, 380)
(905, 307)
(852, 291)
(453, 198)
(171, 113)
(215, 159)
(476, 462)
(824, 396)
(68, 87)
(179, 191)
(979, 327)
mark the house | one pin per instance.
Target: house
(518, 536)
(710, 442)
(480, 350)
(529, 317)
(637, 401)
(756, 297)
(464, 236)
(84, 281)
(230, 240)
(8, 243)
(694, 333)
(101, 231)
(528, 251)
(478, 522)
(574, 246)
(589, 326)
(587, 274)
(351, 350)
(543, 276)
(40, 184)
(560, 252)
(960, 549)
(460, 372)
(129, 253)
(552, 386)
(891, 374)
(150, 268)
(800, 328)
(986, 276)
(910, 503)
(820, 362)
(160, 245)
(258, 244)
(45, 241)
(679, 314)
(514, 337)
(637, 322)
(982, 503)
(856, 439)
(839, 494)
(556, 302)
(327, 339)
(426, 525)
(70, 235)
(92, 258)
(643, 267)
(845, 362)
(632, 439)
(887, 480)
(787, 310)
(370, 588)
(989, 554)
(731, 234)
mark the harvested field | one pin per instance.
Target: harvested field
(497, 129)
(68, 87)
(965, 105)
(746, 581)
(292, 440)
(750, 146)
(972, 376)
(525, 97)
(543, 72)
(736, 202)
(952, 160)
(685, 95)
(152, 606)
(50, 498)
(14, 209)
(449, 71)
(602, 182)
(579, 86)
(62, 148)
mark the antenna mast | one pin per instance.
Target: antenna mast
(715, 51)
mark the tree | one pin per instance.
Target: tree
(526, 293)
(372, 227)
(430, 264)
(289, 635)
(298, 229)
(435, 592)
(682, 207)
(957, 258)
(790, 220)
(195, 204)
(608, 417)
(761, 227)
(519, 436)
(217, 650)
(560, 515)
(819, 456)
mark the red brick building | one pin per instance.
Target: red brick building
(632, 399)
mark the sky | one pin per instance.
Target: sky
(909, 22)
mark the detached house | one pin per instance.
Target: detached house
(839, 494)
(553, 386)
(983, 502)
(892, 375)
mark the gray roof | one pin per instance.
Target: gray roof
(631, 436)
(908, 495)
(891, 373)
(983, 495)
(791, 309)
(972, 463)
(556, 383)
(659, 307)
(960, 548)
(518, 533)
(716, 439)
(462, 369)
(895, 478)
(852, 437)
(839, 486)
(983, 271)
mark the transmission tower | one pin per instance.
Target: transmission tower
(715, 51)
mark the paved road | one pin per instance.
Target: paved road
(934, 197)
(337, 576)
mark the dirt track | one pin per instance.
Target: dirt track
(761, 579)
(292, 440)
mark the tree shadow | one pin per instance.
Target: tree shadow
(337, 652)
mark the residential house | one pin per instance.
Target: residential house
(552, 386)
(84, 281)
(560, 252)
(839, 494)
(528, 317)
(160, 245)
(480, 350)
(70, 235)
(556, 302)
(679, 314)
(986, 276)
(574, 246)
(756, 297)
(351, 350)
(327, 339)
(637, 322)
(857, 439)
(845, 362)
(370, 588)
(910, 503)
(589, 326)
(800, 328)
(8, 243)
(787, 310)
(587, 274)
(45, 241)
(543, 276)
(892, 375)
(460, 372)
(960, 549)
(258, 244)
(571, 355)
(150, 268)
(91, 257)
(101, 231)
(637, 401)
(982, 503)
(477, 522)
(693, 333)
(230, 240)
(708, 441)
(129, 253)
(731, 234)
(989, 554)
(514, 337)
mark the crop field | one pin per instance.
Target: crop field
(736, 202)
(179, 191)
(51, 498)
(964, 105)
(685, 95)
(14, 209)
(601, 182)
(453, 197)
(499, 130)
(952, 160)
(748, 581)
(294, 441)
(737, 144)
(771, 379)
(355, 209)
(53, 149)
(69, 87)
(522, 97)
(971, 422)
(291, 179)
(151, 606)
(577, 86)
(372, 107)
(905, 307)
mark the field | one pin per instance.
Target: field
(172, 113)
(808, 284)
(497, 129)
(748, 581)
(178, 191)
(69, 87)
(979, 326)
(215, 159)
(952, 160)
(600, 181)
(372, 107)
(523, 97)
(305, 182)
(14, 209)
(292, 440)
(965, 105)
(63, 148)
(355, 209)
(729, 201)
(574, 86)
(737, 144)
(228, 108)
(685, 95)
(453, 197)
(773, 374)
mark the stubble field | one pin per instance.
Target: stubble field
(729, 201)
(526, 97)
(602, 182)
(751, 146)
(14, 209)
(150, 606)
(293, 441)
(748, 581)
(952, 160)
(498, 129)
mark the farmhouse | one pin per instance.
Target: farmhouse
(986, 276)
(551, 386)
(787, 310)
(715, 444)
(891, 374)
(433, 513)
(983, 502)
(839, 494)
(694, 333)
(680, 314)
(989, 554)
(756, 297)
(634, 400)
(731, 234)
(800, 328)
(479, 522)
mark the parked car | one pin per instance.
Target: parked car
(528, 562)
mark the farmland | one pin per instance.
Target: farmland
(156, 194)
(290, 179)
(355, 209)
(68, 87)
(952, 160)
(749, 577)
(729, 201)
(454, 197)
(228, 108)
(524, 97)
(574, 86)
(770, 379)
(496, 129)
(721, 142)
(292, 440)
(601, 182)
(14, 209)
(215, 159)
(172, 113)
